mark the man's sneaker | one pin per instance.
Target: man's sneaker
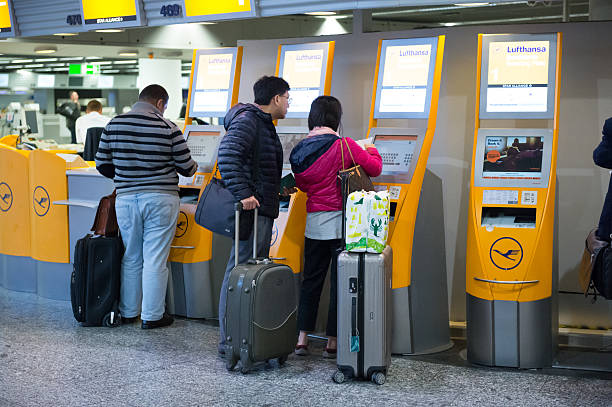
(164, 321)
(301, 350)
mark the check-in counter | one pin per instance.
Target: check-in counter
(17, 271)
(86, 186)
(49, 222)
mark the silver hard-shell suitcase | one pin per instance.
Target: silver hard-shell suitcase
(364, 316)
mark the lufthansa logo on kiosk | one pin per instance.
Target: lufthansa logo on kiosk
(41, 201)
(6, 197)
(181, 224)
(274, 235)
(506, 253)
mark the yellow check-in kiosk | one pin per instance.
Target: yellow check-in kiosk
(17, 269)
(510, 275)
(406, 87)
(308, 70)
(198, 257)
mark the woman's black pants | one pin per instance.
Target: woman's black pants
(317, 256)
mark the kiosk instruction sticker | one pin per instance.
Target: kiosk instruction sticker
(518, 76)
(529, 198)
(499, 197)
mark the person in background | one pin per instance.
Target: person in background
(602, 156)
(315, 161)
(92, 118)
(143, 152)
(251, 126)
(71, 111)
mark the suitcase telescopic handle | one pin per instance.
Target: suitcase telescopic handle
(238, 209)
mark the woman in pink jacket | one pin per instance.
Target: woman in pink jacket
(315, 161)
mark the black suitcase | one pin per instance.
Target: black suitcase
(261, 310)
(95, 282)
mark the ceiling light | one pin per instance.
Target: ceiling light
(103, 63)
(92, 58)
(58, 64)
(321, 13)
(60, 69)
(47, 49)
(34, 66)
(71, 59)
(66, 34)
(45, 60)
(111, 30)
(128, 53)
(13, 66)
(21, 61)
(449, 24)
(111, 71)
(473, 4)
(207, 23)
(124, 62)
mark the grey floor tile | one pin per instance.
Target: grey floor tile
(46, 358)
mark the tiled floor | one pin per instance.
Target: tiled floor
(47, 359)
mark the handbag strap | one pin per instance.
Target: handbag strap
(349, 150)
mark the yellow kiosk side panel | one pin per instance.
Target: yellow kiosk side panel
(329, 68)
(401, 230)
(290, 231)
(236, 85)
(14, 202)
(49, 223)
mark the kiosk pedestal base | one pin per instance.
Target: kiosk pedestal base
(54, 280)
(510, 333)
(420, 311)
(191, 290)
(18, 273)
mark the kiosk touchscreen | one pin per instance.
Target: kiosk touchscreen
(214, 81)
(510, 277)
(406, 86)
(307, 69)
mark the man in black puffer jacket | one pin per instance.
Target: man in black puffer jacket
(253, 181)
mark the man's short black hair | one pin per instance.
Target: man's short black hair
(267, 87)
(325, 111)
(153, 93)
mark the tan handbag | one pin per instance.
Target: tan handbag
(105, 223)
(354, 178)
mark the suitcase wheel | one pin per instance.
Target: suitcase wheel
(244, 370)
(379, 378)
(282, 360)
(230, 364)
(111, 320)
(338, 377)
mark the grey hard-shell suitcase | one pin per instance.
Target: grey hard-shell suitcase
(364, 316)
(261, 310)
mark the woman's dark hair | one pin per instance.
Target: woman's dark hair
(325, 111)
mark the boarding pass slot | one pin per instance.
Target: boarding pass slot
(506, 217)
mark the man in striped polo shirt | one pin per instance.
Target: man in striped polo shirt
(143, 152)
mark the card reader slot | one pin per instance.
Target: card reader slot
(506, 217)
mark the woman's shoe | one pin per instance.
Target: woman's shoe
(301, 350)
(330, 353)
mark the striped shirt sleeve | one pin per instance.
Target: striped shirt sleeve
(183, 162)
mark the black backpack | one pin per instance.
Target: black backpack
(601, 278)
